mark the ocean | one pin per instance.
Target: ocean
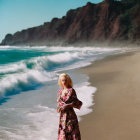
(28, 87)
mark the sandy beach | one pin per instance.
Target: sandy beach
(116, 112)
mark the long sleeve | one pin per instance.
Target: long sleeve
(77, 103)
(60, 103)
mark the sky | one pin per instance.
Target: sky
(16, 15)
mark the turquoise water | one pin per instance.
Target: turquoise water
(18, 54)
(27, 68)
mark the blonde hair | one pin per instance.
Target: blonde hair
(69, 81)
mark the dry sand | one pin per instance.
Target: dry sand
(116, 112)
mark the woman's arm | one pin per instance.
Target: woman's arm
(66, 106)
(76, 103)
(60, 103)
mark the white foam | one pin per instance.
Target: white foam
(11, 81)
(13, 67)
(85, 93)
(42, 125)
(63, 57)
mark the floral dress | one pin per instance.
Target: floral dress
(68, 122)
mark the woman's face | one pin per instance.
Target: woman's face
(64, 81)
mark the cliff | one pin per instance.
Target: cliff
(105, 21)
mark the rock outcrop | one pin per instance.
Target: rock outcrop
(105, 21)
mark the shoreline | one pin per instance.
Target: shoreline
(115, 112)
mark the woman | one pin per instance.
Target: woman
(66, 100)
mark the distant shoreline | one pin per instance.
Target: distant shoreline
(125, 43)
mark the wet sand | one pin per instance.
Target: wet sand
(116, 112)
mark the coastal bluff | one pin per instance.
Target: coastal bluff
(105, 21)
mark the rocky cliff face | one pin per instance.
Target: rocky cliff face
(93, 22)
